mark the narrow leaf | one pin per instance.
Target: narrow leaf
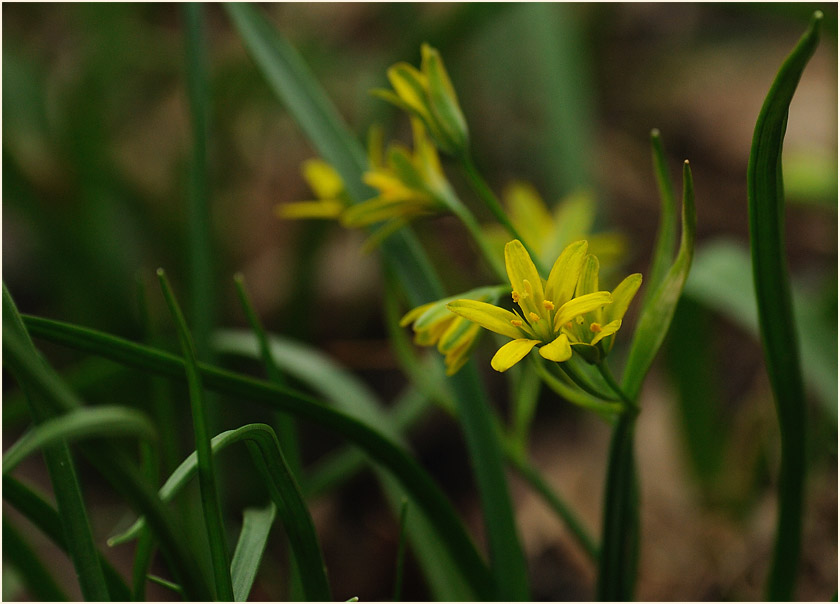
(256, 525)
(775, 312)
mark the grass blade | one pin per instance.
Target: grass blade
(398, 580)
(210, 504)
(18, 553)
(61, 468)
(656, 315)
(35, 508)
(107, 459)
(775, 313)
(79, 424)
(256, 526)
(414, 480)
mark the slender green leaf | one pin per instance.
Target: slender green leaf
(666, 234)
(256, 526)
(38, 579)
(77, 425)
(398, 580)
(107, 459)
(656, 315)
(414, 480)
(35, 508)
(210, 503)
(775, 312)
(60, 465)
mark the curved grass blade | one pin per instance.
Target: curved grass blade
(60, 465)
(256, 525)
(39, 581)
(77, 425)
(398, 580)
(666, 234)
(285, 494)
(108, 460)
(414, 480)
(775, 313)
(655, 317)
(34, 507)
(211, 506)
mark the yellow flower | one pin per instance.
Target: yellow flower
(409, 184)
(598, 326)
(546, 308)
(328, 188)
(428, 95)
(455, 336)
(550, 231)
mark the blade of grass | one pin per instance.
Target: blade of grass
(35, 508)
(666, 233)
(398, 579)
(108, 460)
(210, 503)
(40, 582)
(655, 317)
(765, 194)
(256, 526)
(414, 480)
(79, 424)
(62, 470)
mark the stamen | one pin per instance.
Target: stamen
(569, 325)
(595, 328)
(548, 304)
(515, 295)
(533, 316)
(529, 289)
(516, 322)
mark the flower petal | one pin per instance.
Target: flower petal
(558, 350)
(623, 295)
(322, 179)
(410, 85)
(324, 208)
(415, 313)
(606, 330)
(588, 280)
(489, 316)
(511, 353)
(521, 268)
(565, 273)
(579, 306)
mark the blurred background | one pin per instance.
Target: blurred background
(97, 146)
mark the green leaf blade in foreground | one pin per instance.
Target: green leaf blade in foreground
(765, 194)
(666, 234)
(655, 317)
(256, 526)
(77, 425)
(415, 481)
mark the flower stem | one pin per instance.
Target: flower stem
(466, 217)
(489, 198)
(620, 537)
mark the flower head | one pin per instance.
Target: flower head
(546, 307)
(455, 336)
(328, 187)
(428, 95)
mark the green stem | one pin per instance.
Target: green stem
(581, 382)
(489, 198)
(468, 220)
(613, 384)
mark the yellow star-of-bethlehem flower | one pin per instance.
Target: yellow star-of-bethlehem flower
(328, 187)
(455, 336)
(548, 309)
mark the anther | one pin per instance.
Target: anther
(569, 325)
(526, 285)
(548, 304)
(595, 328)
(516, 322)
(515, 295)
(533, 316)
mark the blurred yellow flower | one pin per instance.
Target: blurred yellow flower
(455, 336)
(328, 187)
(549, 232)
(546, 308)
(428, 94)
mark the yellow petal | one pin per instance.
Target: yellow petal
(489, 317)
(322, 179)
(324, 208)
(588, 280)
(623, 295)
(379, 209)
(579, 306)
(415, 313)
(410, 85)
(459, 329)
(528, 211)
(606, 330)
(511, 353)
(521, 268)
(559, 350)
(565, 273)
